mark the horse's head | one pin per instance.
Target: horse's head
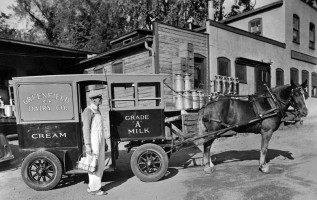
(297, 98)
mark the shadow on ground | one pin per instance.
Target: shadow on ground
(233, 156)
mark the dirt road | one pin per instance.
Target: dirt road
(292, 157)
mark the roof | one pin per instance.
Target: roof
(105, 56)
(262, 9)
(4, 41)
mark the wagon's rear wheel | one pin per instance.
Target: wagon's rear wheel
(149, 162)
(41, 170)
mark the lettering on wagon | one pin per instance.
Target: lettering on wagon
(136, 121)
(48, 135)
(46, 98)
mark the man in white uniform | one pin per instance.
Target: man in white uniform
(94, 139)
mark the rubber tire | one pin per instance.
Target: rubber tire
(48, 156)
(158, 174)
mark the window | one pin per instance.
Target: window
(99, 70)
(295, 29)
(294, 75)
(117, 67)
(255, 26)
(223, 66)
(305, 76)
(311, 36)
(199, 71)
(314, 84)
(279, 77)
(241, 72)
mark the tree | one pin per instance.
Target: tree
(91, 24)
(5, 30)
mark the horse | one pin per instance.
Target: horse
(260, 115)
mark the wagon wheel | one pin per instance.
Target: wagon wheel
(41, 170)
(149, 162)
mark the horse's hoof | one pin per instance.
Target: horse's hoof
(209, 170)
(265, 169)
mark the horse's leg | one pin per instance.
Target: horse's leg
(266, 136)
(209, 166)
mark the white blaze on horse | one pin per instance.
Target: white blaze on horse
(259, 114)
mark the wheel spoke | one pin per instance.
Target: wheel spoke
(49, 176)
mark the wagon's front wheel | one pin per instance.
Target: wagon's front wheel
(149, 162)
(41, 170)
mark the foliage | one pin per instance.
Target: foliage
(91, 24)
(6, 31)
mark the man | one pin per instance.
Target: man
(94, 139)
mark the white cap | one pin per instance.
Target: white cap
(95, 93)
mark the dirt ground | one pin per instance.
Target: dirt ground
(292, 157)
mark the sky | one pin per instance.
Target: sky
(4, 4)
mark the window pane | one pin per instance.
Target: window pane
(241, 73)
(223, 66)
(295, 28)
(305, 76)
(294, 75)
(314, 84)
(279, 77)
(117, 68)
(312, 35)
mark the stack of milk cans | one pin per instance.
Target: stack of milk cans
(224, 85)
(183, 70)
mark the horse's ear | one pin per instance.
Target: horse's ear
(304, 84)
(293, 84)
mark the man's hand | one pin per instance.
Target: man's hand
(88, 149)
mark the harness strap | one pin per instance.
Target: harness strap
(275, 101)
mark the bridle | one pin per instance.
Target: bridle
(296, 92)
(291, 102)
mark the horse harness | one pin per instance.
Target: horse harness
(276, 107)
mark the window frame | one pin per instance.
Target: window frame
(115, 63)
(277, 71)
(313, 80)
(312, 34)
(200, 66)
(244, 73)
(297, 74)
(303, 79)
(219, 60)
(296, 29)
(260, 32)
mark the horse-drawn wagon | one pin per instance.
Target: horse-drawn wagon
(48, 113)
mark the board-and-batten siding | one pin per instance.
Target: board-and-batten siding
(171, 41)
(140, 63)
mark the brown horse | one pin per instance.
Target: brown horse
(262, 114)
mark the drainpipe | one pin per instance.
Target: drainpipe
(152, 54)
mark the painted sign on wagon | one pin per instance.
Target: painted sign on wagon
(136, 124)
(46, 102)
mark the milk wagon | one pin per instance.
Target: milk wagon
(48, 115)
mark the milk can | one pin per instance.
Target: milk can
(201, 99)
(178, 82)
(188, 82)
(224, 85)
(188, 101)
(179, 104)
(218, 84)
(236, 86)
(195, 100)
(230, 85)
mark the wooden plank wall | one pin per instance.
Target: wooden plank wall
(176, 48)
(139, 63)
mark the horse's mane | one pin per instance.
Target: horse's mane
(284, 91)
